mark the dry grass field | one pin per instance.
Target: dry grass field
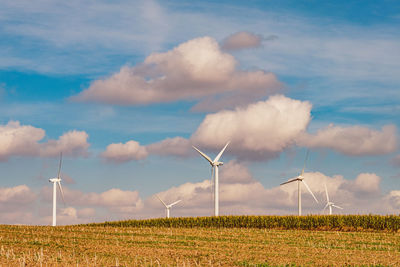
(163, 246)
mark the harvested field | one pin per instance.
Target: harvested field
(163, 246)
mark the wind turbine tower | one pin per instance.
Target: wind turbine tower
(56, 181)
(214, 174)
(300, 180)
(167, 207)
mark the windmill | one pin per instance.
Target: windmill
(167, 207)
(214, 174)
(300, 180)
(329, 203)
(56, 181)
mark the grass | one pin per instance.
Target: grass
(99, 245)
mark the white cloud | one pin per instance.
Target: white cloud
(16, 205)
(367, 183)
(73, 143)
(177, 146)
(259, 131)
(240, 193)
(23, 140)
(394, 199)
(81, 207)
(18, 195)
(248, 196)
(234, 172)
(120, 152)
(16, 140)
(196, 69)
(87, 213)
(242, 40)
(354, 140)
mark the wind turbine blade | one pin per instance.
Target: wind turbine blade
(305, 161)
(327, 204)
(162, 201)
(204, 155)
(176, 202)
(309, 190)
(220, 153)
(289, 181)
(59, 166)
(326, 192)
(62, 192)
(337, 207)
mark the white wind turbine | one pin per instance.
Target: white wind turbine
(300, 180)
(167, 207)
(56, 181)
(214, 173)
(329, 203)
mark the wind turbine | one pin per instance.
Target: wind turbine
(214, 172)
(56, 181)
(300, 180)
(167, 207)
(329, 203)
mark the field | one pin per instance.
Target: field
(114, 245)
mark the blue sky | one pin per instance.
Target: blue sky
(63, 68)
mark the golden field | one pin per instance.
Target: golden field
(101, 245)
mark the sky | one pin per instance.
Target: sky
(124, 89)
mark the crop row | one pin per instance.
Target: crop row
(309, 222)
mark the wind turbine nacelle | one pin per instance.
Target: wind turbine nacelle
(218, 163)
(54, 180)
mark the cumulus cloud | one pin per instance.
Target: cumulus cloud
(361, 195)
(72, 143)
(132, 150)
(120, 152)
(394, 199)
(16, 204)
(259, 131)
(196, 69)
(177, 146)
(240, 193)
(262, 130)
(367, 183)
(114, 204)
(241, 40)
(23, 140)
(234, 172)
(18, 195)
(114, 199)
(354, 140)
(16, 140)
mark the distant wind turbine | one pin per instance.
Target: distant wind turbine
(167, 207)
(214, 174)
(329, 203)
(300, 180)
(56, 181)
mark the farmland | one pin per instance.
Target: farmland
(118, 244)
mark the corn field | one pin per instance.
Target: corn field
(83, 245)
(389, 223)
